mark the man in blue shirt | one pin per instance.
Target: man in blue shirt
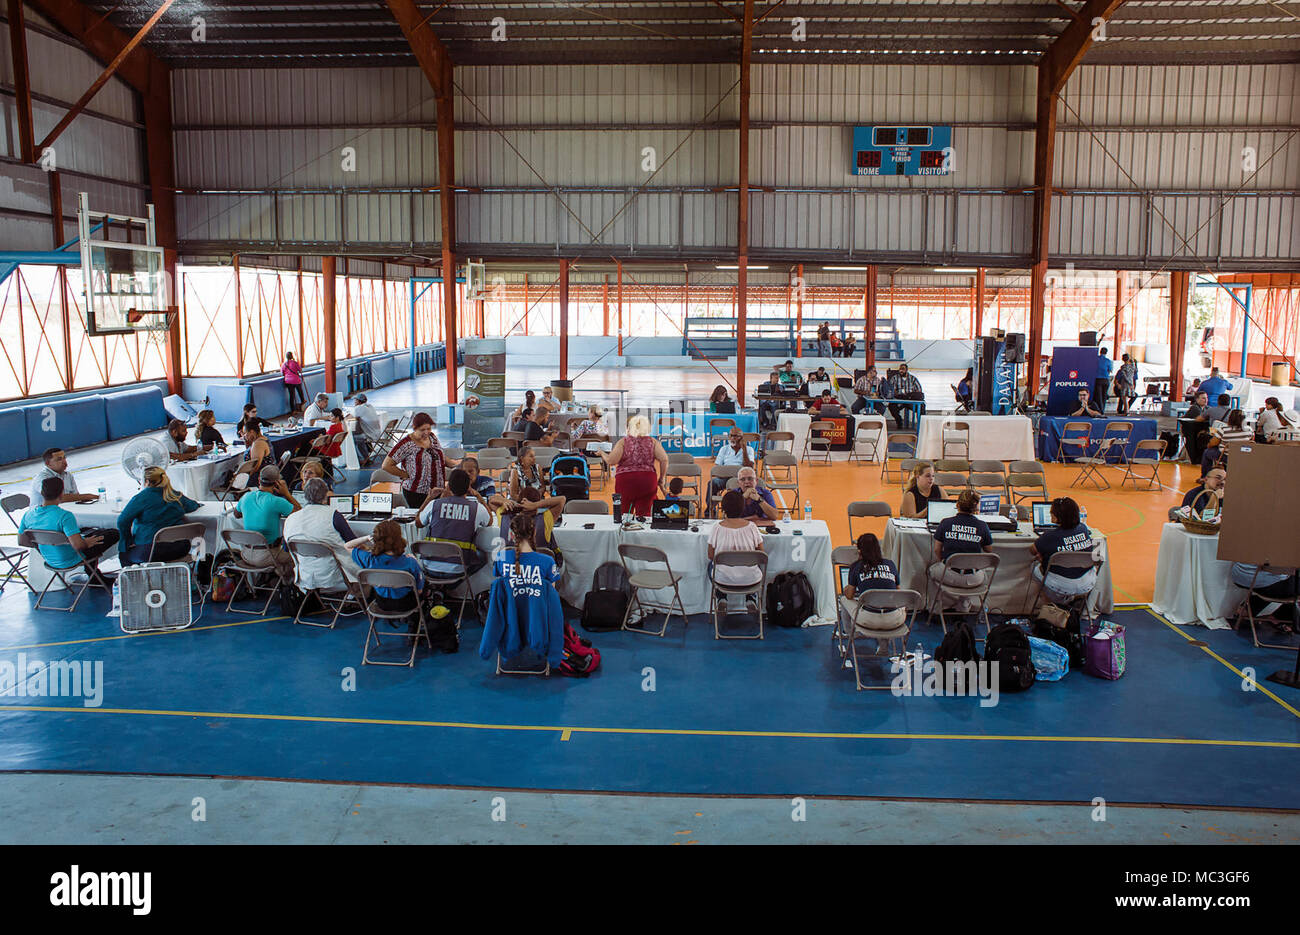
(1214, 385)
(759, 504)
(49, 516)
(262, 510)
(1101, 386)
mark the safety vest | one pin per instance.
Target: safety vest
(452, 520)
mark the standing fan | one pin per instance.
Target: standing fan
(142, 453)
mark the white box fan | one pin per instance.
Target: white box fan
(154, 596)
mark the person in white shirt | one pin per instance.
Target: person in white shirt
(318, 411)
(1272, 419)
(175, 443)
(320, 523)
(368, 421)
(56, 465)
(733, 454)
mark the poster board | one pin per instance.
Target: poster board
(485, 390)
(1262, 506)
(1073, 369)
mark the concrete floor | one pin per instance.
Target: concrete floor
(74, 809)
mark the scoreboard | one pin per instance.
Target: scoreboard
(902, 150)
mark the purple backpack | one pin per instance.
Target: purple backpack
(1104, 655)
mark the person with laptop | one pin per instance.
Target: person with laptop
(733, 454)
(418, 460)
(49, 516)
(155, 507)
(56, 465)
(766, 405)
(262, 510)
(823, 404)
(719, 396)
(869, 387)
(1069, 534)
(871, 572)
(920, 492)
(456, 517)
(905, 385)
(790, 376)
(319, 522)
(961, 533)
(759, 505)
(318, 411)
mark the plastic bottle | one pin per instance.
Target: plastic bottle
(785, 516)
(807, 511)
(103, 494)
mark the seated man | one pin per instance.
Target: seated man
(262, 510)
(1085, 409)
(56, 465)
(824, 404)
(481, 487)
(869, 387)
(317, 413)
(1215, 479)
(369, 425)
(88, 544)
(175, 442)
(764, 393)
(760, 507)
(1192, 429)
(905, 386)
(259, 449)
(535, 427)
(733, 454)
(455, 517)
(789, 375)
(1218, 412)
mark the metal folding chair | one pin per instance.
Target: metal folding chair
(961, 563)
(1244, 609)
(1082, 441)
(956, 465)
(335, 599)
(371, 578)
(1027, 483)
(985, 465)
(1156, 447)
(955, 436)
(718, 589)
(1075, 604)
(239, 540)
(589, 507)
(860, 509)
(781, 472)
(879, 600)
(35, 538)
(446, 553)
(723, 472)
(894, 441)
(14, 557)
(692, 478)
(650, 579)
(866, 438)
(184, 532)
(1090, 466)
(818, 440)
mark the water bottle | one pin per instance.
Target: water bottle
(103, 494)
(807, 511)
(785, 516)
(618, 508)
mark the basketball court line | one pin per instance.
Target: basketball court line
(136, 636)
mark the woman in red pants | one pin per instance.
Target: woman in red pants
(639, 464)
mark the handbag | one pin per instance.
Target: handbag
(1056, 616)
(1104, 654)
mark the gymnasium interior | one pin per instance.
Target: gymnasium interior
(695, 227)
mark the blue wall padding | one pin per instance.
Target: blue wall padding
(13, 436)
(381, 371)
(133, 412)
(69, 423)
(226, 400)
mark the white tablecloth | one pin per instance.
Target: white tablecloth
(997, 438)
(1014, 589)
(209, 514)
(194, 478)
(1192, 585)
(798, 423)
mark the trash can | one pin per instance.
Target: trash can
(1281, 373)
(563, 390)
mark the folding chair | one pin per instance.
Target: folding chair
(723, 472)
(859, 509)
(905, 469)
(948, 479)
(239, 540)
(818, 439)
(1139, 460)
(184, 532)
(35, 538)
(720, 429)
(453, 454)
(875, 601)
(15, 502)
(985, 465)
(842, 557)
(588, 507)
(718, 589)
(495, 462)
(669, 422)
(650, 579)
(388, 437)
(1082, 441)
(956, 564)
(239, 482)
(774, 440)
(1091, 466)
(1029, 475)
(692, 478)
(893, 442)
(1249, 613)
(1122, 433)
(988, 482)
(960, 465)
(14, 558)
(446, 553)
(335, 599)
(866, 438)
(955, 436)
(1078, 604)
(383, 477)
(511, 445)
(781, 472)
(369, 580)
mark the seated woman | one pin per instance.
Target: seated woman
(592, 425)
(960, 534)
(962, 391)
(320, 523)
(523, 533)
(330, 445)
(1070, 535)
(850, 345)
(386, 549)
(155, 507)
(871, 572)
(1272, 419)
(525, 474)
(530, 403)
(207, 434)
(719, 395)
(922, 490)
(735, 534)
(313, 469)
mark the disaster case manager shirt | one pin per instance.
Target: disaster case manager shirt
(962, 533)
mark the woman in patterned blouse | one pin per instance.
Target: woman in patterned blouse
(418, 460)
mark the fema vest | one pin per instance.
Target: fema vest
(452, 520)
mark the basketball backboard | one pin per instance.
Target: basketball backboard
(125, 284)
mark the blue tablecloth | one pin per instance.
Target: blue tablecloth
(693, 435)
(1051, 427)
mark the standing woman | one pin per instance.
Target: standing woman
(922, 490)
(640, 463)
(417, 459)
(291, 370)
(155, 507)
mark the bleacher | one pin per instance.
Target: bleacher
(889, 346)
(715, 338)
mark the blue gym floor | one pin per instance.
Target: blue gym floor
(252, 697)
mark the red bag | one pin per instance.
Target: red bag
(223, 586)
(580, 657)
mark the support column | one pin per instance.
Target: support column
(798, 311)
(1044, 145)
(447, 209)
(1179, 294)
(239, 319)
(604, 303)
(157, 111)
(869, 310)
(619, 264)
(328, 326)
(22, 83)
(742, 211)
(1119, 315)
(979, 303)
(525, 304)
(564, 319)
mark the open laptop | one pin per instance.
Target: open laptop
(815, 387)
(1042, 518)
(936, 511)
(726, 407)
(374, 507)
(343, 504)
(667, 515)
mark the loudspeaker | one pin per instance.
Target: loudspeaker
(1087, 339)
(1014, 352)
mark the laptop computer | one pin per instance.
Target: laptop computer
(815, 387)
(936, 511)
(374, 507)
(1042, 515)
(343, 504)
(728, 406)
(667, 515)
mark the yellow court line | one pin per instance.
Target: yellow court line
(1259, 685)
(136, 636)
(651, 731)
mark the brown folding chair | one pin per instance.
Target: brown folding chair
(371, 578)
(880, 600)
(335, 599)
(866, 442)
(818, 439)
(955, 436)
(962, 563)
(35, 538)
(1090, 466)
(1141, 459)
(14, 558)
(894, 441)
(1081, 441)
(239, 541)
(1244, 609)
(650, 579)
(718, 589)
(860, 509)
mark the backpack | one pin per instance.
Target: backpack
(1066, 637)
(580, 657)
(790, 599)
(606, 603)
(1008, 646)
(957, 645)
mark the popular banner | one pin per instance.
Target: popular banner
(1073, 369)
(485, 390)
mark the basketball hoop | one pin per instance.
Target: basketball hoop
(136, 315)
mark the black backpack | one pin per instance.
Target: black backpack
(1066, 637)
(958, 645)
(1008, 646)
(790, 599)
(606, 603)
